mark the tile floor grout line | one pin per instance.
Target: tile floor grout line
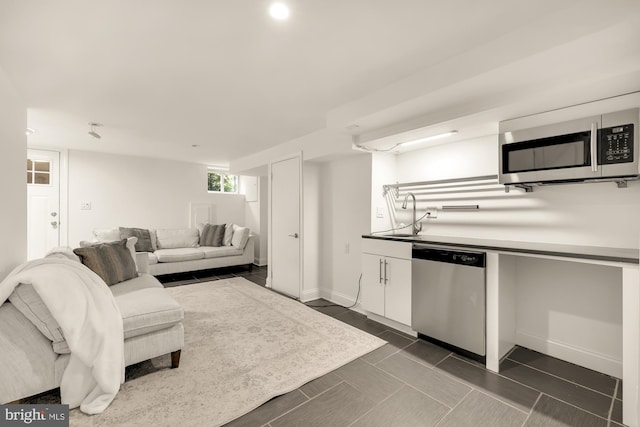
(564, 379)
(531, 410)
(613, 400)
(374, 406)
(303, 403)
(417, 389)
(555, 397)
(454, 407)
(481, 390)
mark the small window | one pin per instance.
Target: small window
(38, 172)
(220, 182)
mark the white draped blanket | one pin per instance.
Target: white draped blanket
(86, 311)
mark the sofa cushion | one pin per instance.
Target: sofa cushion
(228, 234)
(153, 258)
(143, 235)
(240, 236)
(220, 251)
(177, 238)
(25, 298)
(112, 261)
(212, 235)
(145, 306)
(178, 254)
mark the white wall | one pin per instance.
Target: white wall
(13, 227)
(585, 214)
(381, 172)
(256, 214)
(313, 238)
(345, 217)
(572, 311)
(140, 192)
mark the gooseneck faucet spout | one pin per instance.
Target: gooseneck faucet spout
(416, 228)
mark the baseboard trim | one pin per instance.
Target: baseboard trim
(341, 299)
(310, 295)
(571, 353)
(392, 324)
(260, 262)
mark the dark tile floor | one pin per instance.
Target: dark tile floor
(411, 382)
(256, 274)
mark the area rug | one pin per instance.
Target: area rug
(244, 345)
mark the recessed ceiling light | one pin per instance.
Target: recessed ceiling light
(279, 11)
(30, 131)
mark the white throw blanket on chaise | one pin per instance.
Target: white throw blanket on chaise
(91, 322)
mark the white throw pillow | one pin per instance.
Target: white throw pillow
(240, 236)
(172, 238)
(228, 234)
(107, 234)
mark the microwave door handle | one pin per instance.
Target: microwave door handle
(594, 147)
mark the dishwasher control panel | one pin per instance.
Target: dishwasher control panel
(431, 253)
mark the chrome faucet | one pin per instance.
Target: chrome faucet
(416, 228)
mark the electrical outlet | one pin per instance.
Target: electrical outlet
(85, 205)
(432, 212)
(346, 248)
(379, 212)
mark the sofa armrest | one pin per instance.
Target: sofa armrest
(142, 261)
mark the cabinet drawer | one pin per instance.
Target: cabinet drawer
(387, 248)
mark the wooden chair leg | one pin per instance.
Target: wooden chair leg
(175, 359)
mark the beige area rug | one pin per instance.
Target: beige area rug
(243, 346)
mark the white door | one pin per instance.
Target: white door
(43, 202)
(285, 218)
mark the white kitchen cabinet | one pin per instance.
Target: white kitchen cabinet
(386, 279)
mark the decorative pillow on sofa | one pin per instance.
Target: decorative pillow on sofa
(111, 261)
(131, 245)
(144, 238)
(212, 235)
(228, 234)
(240, 236)
(107, 234)
(171, 238)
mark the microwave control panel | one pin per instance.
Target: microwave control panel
(616, 144)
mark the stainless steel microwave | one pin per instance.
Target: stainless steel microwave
(596, 147)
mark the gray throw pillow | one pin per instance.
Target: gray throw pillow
(111, 261)
(212, 235)
(144, 243)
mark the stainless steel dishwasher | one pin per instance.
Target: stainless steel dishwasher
(448, 298)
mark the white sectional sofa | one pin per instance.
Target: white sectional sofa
(35, 353)
(180, 250)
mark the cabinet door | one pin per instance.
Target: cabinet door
(373, 283)
(398, 290)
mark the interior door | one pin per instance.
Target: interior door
(43, 202)
(285, 269)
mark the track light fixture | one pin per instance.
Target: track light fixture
(93, 132)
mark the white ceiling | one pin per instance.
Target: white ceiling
(163, 75)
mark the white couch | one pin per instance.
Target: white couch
(35, 354)
(178, 250)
